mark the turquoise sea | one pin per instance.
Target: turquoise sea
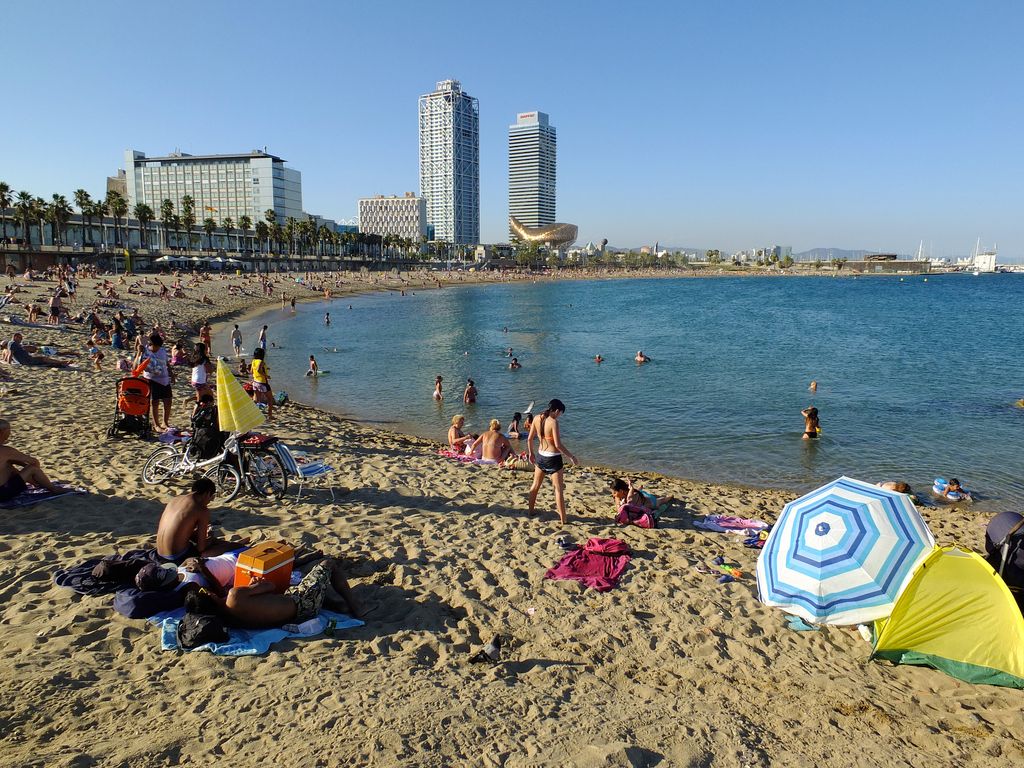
(917, 378)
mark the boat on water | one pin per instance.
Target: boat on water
(983, 261)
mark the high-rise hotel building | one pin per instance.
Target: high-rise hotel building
(222, 186)
(450, 162)
(531, 170)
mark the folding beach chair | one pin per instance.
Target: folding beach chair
(304, 472)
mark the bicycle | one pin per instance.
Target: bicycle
(249, 460)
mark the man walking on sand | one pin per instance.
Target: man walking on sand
(236, 341)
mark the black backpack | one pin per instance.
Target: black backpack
(207, 439)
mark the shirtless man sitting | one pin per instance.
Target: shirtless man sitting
(258, 605)
(18, 469)
(184, 528)
(493, 445)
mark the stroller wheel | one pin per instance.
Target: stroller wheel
(111, 432)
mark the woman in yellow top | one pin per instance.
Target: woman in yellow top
(261, 392)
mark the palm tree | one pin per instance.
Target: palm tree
(24, 210)
(84, 202)
(289, 234)
(5, 203)
(244, 225)
(98, 210)
(229, 226)
(175, 225)
(118, 210)
(262, 233)
(209, 225)
(166, 218)
(59, 212)
(277, 236)
(145, 215)
(188, 217)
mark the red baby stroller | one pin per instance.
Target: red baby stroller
(131, 412)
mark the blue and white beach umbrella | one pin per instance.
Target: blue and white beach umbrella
(843, 553)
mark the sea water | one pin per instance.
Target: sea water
(917, 378)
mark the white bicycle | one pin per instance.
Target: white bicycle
(241, 461)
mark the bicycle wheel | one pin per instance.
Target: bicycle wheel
(265, 473)
(160, 465)
(228, 480)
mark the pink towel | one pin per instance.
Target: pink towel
(598, 564)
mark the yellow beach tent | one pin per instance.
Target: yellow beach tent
(957, 616)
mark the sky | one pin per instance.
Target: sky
(734, 125)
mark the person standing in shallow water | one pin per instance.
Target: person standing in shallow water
(547, 460)
(812, 426)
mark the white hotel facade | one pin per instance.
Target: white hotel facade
(403, 216)
(449, 134)
(532, 145)
(222, 186)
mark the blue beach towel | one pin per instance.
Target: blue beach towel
(241, 642)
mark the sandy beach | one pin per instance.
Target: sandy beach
(670, 668)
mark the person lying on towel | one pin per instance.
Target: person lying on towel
(258, 605)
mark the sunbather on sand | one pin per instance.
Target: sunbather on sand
(624, 493)
(258, 605)
(492, 445)
(18, 469)
(184, 527)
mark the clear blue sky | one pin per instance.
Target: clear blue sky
(740, 124)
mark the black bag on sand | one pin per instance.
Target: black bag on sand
(196, 629)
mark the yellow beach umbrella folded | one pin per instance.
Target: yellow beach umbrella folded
(237, 412)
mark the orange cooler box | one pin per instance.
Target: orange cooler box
(271, 561)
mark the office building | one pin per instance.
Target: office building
(403, 216)
(531, 170)
(449, 126)
(222, 186)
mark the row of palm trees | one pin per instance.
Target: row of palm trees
(295, 237)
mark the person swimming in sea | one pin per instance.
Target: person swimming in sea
(641, 357)
(813, 387)
(327, 318)
(314, 369)
(598, 359)
(438, 394)
(514, 364)
(812, 425)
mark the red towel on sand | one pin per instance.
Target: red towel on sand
(598, 564)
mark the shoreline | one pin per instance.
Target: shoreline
(922, 497)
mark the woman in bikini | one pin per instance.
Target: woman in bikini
(812, 427)
(548, 458)
(438, 394)
(456, 440)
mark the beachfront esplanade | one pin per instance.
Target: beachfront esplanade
(221, 186)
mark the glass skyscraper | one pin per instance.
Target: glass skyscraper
(531, 170)
(449, 124)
